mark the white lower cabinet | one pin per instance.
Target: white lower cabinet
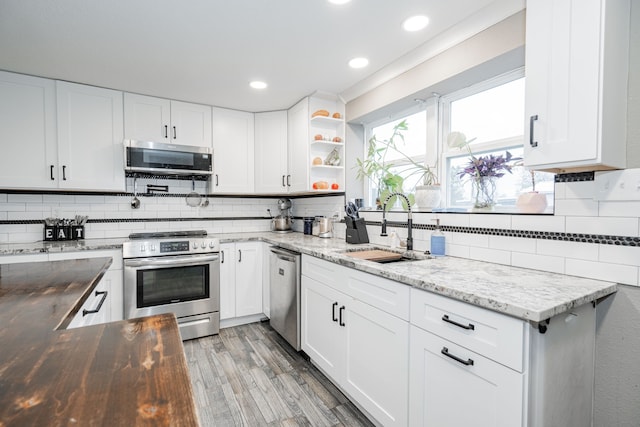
(452, 386)
(361, 347)
(240, 279)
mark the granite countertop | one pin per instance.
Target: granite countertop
(523, 293)
(110, 374)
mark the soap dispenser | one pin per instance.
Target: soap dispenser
(437, 240)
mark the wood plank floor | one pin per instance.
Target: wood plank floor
(249, 376)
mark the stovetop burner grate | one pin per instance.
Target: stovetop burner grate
(163, 234)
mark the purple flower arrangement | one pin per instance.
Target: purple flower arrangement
(488, 166)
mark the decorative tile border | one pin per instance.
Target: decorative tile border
(546, 235)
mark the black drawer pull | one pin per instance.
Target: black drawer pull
(175, 133)
(166, 131)
(64, 173)
(445, 351)
(104, 297)
(333, 312)
(469, 327)
(341, 310)
(288, 180)
(51, 172)
(283, 181)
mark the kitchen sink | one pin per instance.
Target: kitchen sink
(384, 255)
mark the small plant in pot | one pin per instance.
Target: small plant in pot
(532, 201)
(378, 169)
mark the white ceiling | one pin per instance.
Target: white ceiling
(207, 51)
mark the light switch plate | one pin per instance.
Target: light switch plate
(623, 185)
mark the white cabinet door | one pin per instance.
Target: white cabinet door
(146, 118)
(90, 135)
(227, 281)
(28, 123)
(190, 124)
(97, 308)
(377, 362)
(271, 152)
(248, 278)
(233, 145)
(454, 387)
(323, 339)
(576, 84)
(298, 146)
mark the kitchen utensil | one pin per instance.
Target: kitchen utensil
(193, 199)
(135, 202)
(351, 210)
(205, 202)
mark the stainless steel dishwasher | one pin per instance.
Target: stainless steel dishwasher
(284, 294)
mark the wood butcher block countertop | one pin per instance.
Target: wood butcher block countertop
(126, 373)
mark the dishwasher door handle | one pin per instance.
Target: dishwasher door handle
(285, 256)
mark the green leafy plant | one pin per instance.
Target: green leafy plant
(375, 167)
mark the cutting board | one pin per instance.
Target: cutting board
(375, 255)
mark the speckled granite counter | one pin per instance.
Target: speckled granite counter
(523, 293)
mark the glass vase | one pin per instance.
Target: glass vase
(484, 193)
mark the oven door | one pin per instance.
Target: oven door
(184, 285)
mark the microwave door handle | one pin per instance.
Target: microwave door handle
(170, 262)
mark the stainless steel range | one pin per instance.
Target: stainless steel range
(174, 272)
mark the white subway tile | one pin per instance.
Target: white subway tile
(515, 244)
(577, 207)
(490, 221)
(561, 248)
(22, 216)
(619, 209)
(559, 191)
(3, 198)
(580, 190)
(629, 255)
(460, 251)
(89, 199)
(13, 207)
(490, 255)
(538, 223)
(553, 264)
(58, 198)
(454, 220)
(468, 239)
(610, 272)
(606, 226)
(24, 198)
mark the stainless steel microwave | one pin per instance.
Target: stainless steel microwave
(166, 159)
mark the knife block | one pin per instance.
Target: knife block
(356, 231)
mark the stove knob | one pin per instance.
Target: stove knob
(212, 244)
(143, 248)
(195, 245)
(204, 245)
(152, 248)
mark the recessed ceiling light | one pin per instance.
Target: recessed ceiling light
(258, 84)
(358, 62)
(415, 23)
(339, 1)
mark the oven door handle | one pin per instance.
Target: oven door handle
(180, 261)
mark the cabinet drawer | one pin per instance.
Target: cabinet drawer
(452, 386)
(493, 335)
(387, 295)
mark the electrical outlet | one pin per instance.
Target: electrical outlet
(623, 185)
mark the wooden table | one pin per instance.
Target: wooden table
(126, 373)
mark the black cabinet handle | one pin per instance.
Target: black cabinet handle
(532, 119)
(216, 180)
(239, 255)
(175, 133)
(288, 180)
(166, 131)
(341, 323)
(64, 173)
(97, 309)
(283, 181)
(469, 327)
(51, 172)
(445, 351)
(333, 312)
(221, 257)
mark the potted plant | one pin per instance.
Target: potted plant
(375, 167)
(532, 201)
(482, 171)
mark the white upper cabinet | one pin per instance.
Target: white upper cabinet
(28, 123)
(90, 134)
(576, 84)
(271, 152)
(298, 145)
(233, 145)
(161, 120)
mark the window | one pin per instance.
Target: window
(490, 114)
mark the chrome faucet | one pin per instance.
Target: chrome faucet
(409, 220)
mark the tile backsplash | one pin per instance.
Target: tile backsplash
(585, 237)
